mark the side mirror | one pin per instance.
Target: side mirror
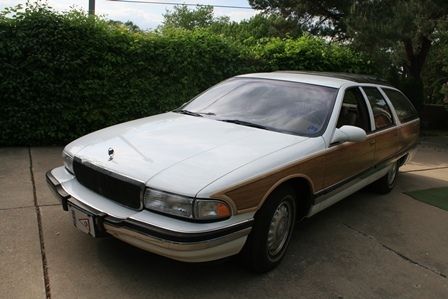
(349, 133)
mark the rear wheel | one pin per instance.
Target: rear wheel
(388, 181)
(272, 230)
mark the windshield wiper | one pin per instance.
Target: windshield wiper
(244, 123)
(187, 112)
(198, 114)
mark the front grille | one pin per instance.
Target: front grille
(120, 189)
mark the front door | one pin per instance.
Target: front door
(349, 159)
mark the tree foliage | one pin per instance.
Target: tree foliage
(66, 74)
(183, 17)
(401, 30)
(435, 73)
(128, 25)
(322, 17)
(405, 27)
(257, 27)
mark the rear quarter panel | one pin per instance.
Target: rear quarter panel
(409, 133)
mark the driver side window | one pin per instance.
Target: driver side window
(354, 110)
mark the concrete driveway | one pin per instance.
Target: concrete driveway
(366, 246)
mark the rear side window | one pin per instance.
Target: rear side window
(381, 111)
(405, 110)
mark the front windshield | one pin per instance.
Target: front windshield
(282, 106)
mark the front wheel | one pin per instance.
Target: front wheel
(388, 181)
(272, 230)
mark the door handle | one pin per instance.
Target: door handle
(372, 142)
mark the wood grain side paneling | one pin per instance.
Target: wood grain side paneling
(336, 164)
(251, 194)
(332, 166)
(409, 134)
(347, 160)
(387, 144)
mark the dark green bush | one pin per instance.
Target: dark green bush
(63, 75)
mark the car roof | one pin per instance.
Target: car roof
(329, 79)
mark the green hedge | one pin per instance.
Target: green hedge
(310, 53)
(63, 75)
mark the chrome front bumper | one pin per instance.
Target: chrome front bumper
(163, 235)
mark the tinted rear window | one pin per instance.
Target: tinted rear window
(405, 110)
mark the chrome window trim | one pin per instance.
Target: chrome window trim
(391, 108)
(369, 108)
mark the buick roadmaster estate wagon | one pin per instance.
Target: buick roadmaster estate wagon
(233, 170)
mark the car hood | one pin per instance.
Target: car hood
(178, 153)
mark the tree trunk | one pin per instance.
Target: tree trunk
(415, 61)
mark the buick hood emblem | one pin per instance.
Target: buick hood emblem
(110, 152)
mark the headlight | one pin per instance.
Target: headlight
(169, 203)
(186, 207)
(68, 161)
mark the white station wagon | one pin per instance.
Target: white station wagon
(235, 168)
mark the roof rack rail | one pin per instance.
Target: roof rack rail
(358, 78)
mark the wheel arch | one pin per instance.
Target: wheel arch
(304, 188)
(403, 159)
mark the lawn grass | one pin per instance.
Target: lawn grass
(437, 197)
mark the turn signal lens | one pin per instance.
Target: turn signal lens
(207, 209)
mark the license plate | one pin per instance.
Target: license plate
(83, 221)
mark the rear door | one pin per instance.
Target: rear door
(407, 115)
(385, 130)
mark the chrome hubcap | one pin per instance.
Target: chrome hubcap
(392, 174)
(279, 228)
